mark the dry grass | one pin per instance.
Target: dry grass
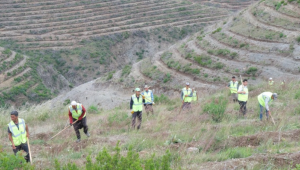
(168, 130)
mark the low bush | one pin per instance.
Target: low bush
(126, 70)
(251, 71)
(298, 39)
(93, 109)
(217, 30)
(216, 108)
(162, 99)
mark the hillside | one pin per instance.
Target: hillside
(199, 139)
(74, 42)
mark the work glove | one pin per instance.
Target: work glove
(143, 97)
(132, 112)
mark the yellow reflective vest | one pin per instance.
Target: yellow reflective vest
(261, 98)
(148, 98)
(271, 83)
(243, 97)
(187, 92)
(137, 104)
(18, 134)
(233, 86)
(76, 114)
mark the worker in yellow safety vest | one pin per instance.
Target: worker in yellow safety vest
(149, 100)
(136, 106)
(271, 82)
(264, 99)
(77, 116)
(187, 96)
(233, 86)
(18, 134)
(243, 97)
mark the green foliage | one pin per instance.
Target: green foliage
(126, 70)
(218, 65)
(93, 109)
(297, 95)
(162, 99)
(216, 108)
(110, 75)
(167, 77)
(298, 39)
(66, 102)
(140, 54)
(203, 60)
(43, 116)
(239, 152)
(8, 64)
(251, 71)
(117, 117)
(217, 30)
(278, 5)
(11, 162)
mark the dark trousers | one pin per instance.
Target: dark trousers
(243, 107)
(23, 147)
(139, 116)
(80, 124)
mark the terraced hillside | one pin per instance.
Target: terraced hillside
(257, 43)
(23, 79)
(232, 5)
(37, 25)
(73, 42)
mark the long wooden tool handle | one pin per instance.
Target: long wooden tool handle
(30, 157)
(271, 118)
(181, 105)
(63, 130)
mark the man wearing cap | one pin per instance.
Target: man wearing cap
(186, 96)
(149, 100)
(78, 113)
(136, 107)
(233, 86)
(243, 97)
(18, 134)
(271, 82)
(264, 99)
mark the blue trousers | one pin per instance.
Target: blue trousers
(261, 112)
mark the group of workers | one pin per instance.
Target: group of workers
(18, 131)
(239, 93)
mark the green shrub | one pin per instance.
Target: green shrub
(216, 108)
(126, 70)
(203, 60)
(43, 116)
(162, 99)
(252, 71)
(297, 95)
(281, 35)
(217, 30)
(66, 102)
(11, 162)
(93, 109)
(218, 65)
(110, 75)
(167, 77)
(239, 152)
(298, 39)
(278, 5)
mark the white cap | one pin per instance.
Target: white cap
(187, 83)
(73, 103)
(270, 78)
